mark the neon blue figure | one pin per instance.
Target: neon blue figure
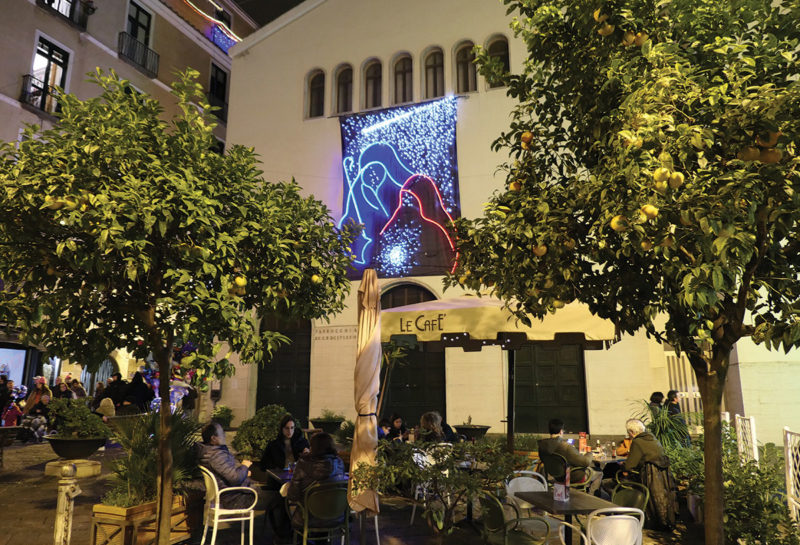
(372, 193)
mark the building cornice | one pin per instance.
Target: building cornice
(268, 30)
(233, 6)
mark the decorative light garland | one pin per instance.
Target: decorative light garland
(216, 22)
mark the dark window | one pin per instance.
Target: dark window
(498, 49)
(418, 384)
(139, 23)
(223, 16)
(218, 91)
(49, 70)
(403, 91)
(344, 90)
(316, 95)
(374, 83)
(434, 75)
(285, 379)
(466, 80)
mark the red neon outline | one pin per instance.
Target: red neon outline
(422, 212)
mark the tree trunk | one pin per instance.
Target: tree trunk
(164, 516)
(711, 388)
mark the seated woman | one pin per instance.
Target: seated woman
(430, 428)
(320, 465)
(36, 419)
(398, 431)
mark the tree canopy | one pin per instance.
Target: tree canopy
(653, 172)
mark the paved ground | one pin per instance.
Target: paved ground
(28, 502)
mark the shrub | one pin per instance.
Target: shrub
(330, 416)
(73, 419)
(222, 414)
(254, 433)
(344, 435)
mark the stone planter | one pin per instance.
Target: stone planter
(328, 426)
(72, 448)
(136, 525)
(472, 431)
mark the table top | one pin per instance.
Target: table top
(610, 460)
(580, 503)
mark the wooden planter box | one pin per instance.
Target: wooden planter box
(136, 525)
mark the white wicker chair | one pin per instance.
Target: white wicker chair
(615, 526)
(214, 513)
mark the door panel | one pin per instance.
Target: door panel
(285, 379)
(417, 387)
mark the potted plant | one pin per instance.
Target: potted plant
(254, 433)
(470, 430)
(329, 422)
(128, 509)
(222, 414)
(79, 432)
(526, 444)
(344, 437)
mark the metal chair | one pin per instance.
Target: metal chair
(213, 507)
(584, 539)
(499, 531)
(555, 466)
(615, 526)
(631, 494)
(524, 481)
(325, 513)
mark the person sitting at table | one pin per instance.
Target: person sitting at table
(557, 445)
(320, 465)
(287, 447)
(384, 426)
(648, 463)
(430, 428)
(398, 431)
(213, 454)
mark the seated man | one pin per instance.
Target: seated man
(214, 455)
(557, 445)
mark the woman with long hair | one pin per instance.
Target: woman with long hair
(39, 389)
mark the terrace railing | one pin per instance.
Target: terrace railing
(39, 95)
(791, 453)
(138, 54)
(75, 12)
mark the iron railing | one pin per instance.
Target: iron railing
(138, 54)
(222, 105)
(39, 95)
(75, 12)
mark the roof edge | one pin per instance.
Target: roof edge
(271, 28)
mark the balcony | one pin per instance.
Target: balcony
(222, 105)
(74, 12)
(138, 54)
(38, 95)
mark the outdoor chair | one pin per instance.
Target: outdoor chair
(424, 459)
(325, 513)
(575, 530)
(214, 513)
(615, 526)
(555, 466)
(631, 494)
(499, 531)
(524, 481)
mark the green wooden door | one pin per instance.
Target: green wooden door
(550, 383)
(285, 379)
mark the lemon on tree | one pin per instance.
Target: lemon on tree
(676, 180)
(649, 211)
(619, 223)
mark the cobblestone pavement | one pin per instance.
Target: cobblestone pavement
(28, 504)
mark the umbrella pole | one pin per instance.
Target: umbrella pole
(511, 402)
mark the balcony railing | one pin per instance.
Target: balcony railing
(138, 54)
(75, 12)
(222, 112)
(39, 95)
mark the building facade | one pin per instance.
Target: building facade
(324, 94)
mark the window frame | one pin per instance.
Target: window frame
(438, 74)
(307, 114)
(499, 38)
(67, 75)
(150, 26)
(466, 45)
(336, 95)
(372, 63)
(407, 76)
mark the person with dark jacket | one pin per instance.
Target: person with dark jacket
(214, 455)
(138, 393)
(557, 445)
(116, 389)
(397, 431)
(286, 448)
(649, 460)
(320, 465)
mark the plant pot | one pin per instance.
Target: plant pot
(472, 431)
(136, 525)
(328, 426)
(73, 448)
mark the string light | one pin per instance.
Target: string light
(219, 32)
(388, 158)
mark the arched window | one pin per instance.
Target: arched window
(498, 49)
(434, 74)
(373, 83)
(344, 90)
(316, 94)
(466, 75)
(403, 91)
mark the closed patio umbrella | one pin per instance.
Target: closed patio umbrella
(367, 384)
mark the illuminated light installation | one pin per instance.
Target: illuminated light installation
(218, 33)
(401, 184)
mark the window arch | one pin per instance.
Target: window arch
(466, 73)
(373, 84)
(316, 94)
(344, 90)
(405, 294)
(403, 71)
(434, 73)
(498, 49)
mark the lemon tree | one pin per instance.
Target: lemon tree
(120, 228)
(653, 150)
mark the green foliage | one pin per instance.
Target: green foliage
(525, 441)
(254, 433)
(118, 226)
(222, 414)
(450, 478)
(669, 429)
(330, 416)
(72, 418)
(344, 435)
(135, 475)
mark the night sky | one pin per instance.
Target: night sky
(264, 11)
